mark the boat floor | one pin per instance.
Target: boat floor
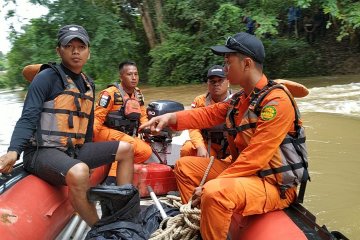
(76, 229)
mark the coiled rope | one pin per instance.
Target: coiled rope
(184, 226)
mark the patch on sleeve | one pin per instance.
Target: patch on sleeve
(104, 99)
(268, 113)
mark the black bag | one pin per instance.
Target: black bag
(120, 206)
(151, 217)
(121, 216)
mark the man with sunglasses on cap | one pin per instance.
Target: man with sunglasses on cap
(210, 141)
(56, 127)
(265, 139)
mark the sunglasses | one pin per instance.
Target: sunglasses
(233, 44)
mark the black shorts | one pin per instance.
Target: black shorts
(52, 164)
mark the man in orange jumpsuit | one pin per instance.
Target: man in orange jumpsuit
(119, 112)
(218, 91)
(198, 145)
(262, 123)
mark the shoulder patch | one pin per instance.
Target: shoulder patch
(268, 113)
(104, 99)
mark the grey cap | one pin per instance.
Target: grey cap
(69, 32)
(243, 43)
(216, 70)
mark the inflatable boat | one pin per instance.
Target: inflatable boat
(31, 208)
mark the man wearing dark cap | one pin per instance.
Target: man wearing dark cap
(210, 141)
(266, 141)
(56, 126)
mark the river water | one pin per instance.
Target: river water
(331, 115)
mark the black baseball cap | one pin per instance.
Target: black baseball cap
(216, 70)
(243, 43)
(69, 32)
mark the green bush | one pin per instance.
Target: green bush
(291, 58)
(181, 59)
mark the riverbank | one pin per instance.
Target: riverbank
(286, 57)
(338, 57)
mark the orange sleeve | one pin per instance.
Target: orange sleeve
(103, 107)
(143, 117)
(267, 137)
(200, 118)
(196, 137)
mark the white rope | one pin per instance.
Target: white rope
(184, 226)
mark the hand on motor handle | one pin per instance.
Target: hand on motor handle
(7, 161)
(156, 124)
(202, 152)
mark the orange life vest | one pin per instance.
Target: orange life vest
(293, 167)
(126, 116)
(64, 120)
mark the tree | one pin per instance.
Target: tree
(170, 39)
(150, 12)
(2, 62)
(345, 13)
(185, 56)
(110, 43)
(35, 45)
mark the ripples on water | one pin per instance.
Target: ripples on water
(341, 99)
(10, 106)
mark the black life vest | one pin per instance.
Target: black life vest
(215, 135)
(127, 118)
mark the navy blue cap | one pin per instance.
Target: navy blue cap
(216, 70)
(243, 43)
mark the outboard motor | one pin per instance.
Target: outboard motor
(161, 143)
(161, 107)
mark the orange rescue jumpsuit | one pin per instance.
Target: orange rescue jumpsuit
(142, 151)
(196, 137)
(235, 187)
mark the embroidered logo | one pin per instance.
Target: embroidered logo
(75, 29)
(268, 113)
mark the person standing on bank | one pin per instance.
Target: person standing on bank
(119, 112)
(213, 139)
(56, 127)
(264, 135)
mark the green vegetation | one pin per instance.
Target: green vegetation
(2, 70)
(170, 39)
